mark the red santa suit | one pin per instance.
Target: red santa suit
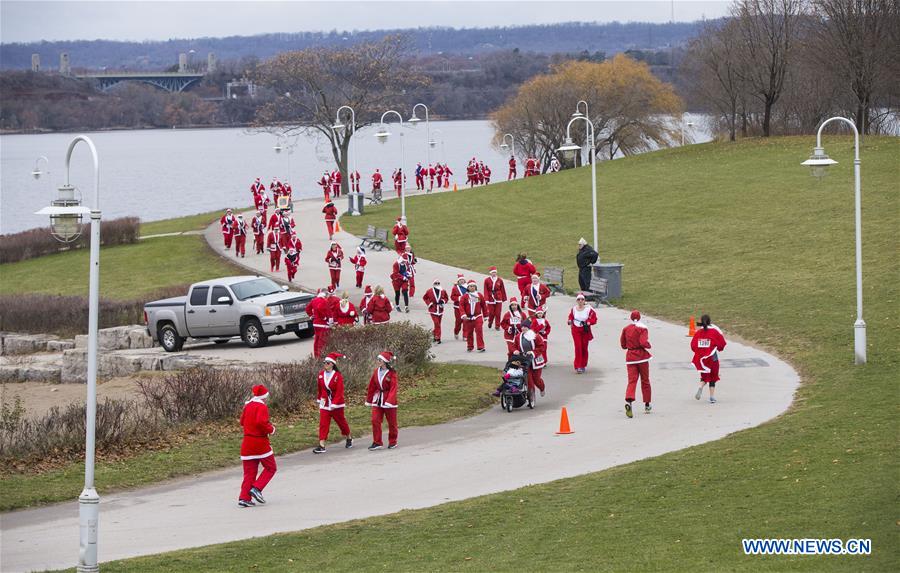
(581, 322)
(431, 174)
(381, 396)
(331, 401)
(255, 447)
(411, 261)
(364, 305)
(336, 183)
(512, 168)
(377, 180)
(399, 178)
(345, 313)
(541, 326)
(471, 312)
(401, 235)
(333, 257)
(706, 345)
(274, 220)
(486, 171)
(528, 343)
(636, 343)
(420, 177)
(290, 241)
(330, 212)
(259, 232)
(524, 269)
(457, 291)
(274, 248)
(510, 324)
(470, 175)
(435, 298)
(535, 295)
(359, 263)
(239, 229)
(354, 181)
(439, 172)
(494, 297)
(291, 263)
(379, 309)
(325, 184)
(319, 309)
(227, 222)
(447, 174)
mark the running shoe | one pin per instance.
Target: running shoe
(374, 447)
(257, 495)
(647, 408)
(349, 443)
(392, 446)
(699, 393)
(246, 503)
(628, 410)
(712, 400)
(319, 450)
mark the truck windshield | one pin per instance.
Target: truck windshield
(254, 288)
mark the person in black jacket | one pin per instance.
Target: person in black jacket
(586, 257)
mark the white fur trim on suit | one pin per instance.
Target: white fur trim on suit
(639, 361)
(259, 457)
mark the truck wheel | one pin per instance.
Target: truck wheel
(305, 333)
(169, 339)
(253, 334)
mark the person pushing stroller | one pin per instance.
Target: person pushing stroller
(512, 376)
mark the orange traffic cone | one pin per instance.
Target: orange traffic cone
(337, 226)
(564, 423)
(454, 187)
(692, 327)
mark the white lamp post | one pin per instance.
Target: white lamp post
(414, 120)
(382, 136)
(36, 172)
(511, 145)
(432, 143)
(281, 146)
(819, 162)
(65, 217)
(569, 148)
(338, 126)
(683, 124)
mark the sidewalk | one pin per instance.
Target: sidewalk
(435, 464)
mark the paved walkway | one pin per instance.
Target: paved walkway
(434, 464)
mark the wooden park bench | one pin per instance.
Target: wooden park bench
(553, 278)
(379, 243)
(599, 291)
(370, 236)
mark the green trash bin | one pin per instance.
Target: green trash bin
(612, 272)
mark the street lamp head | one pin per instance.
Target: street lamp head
(819, 162)
(432, 144)
(37, 173)
(66, 214)
(277, 148)
(414, 119)
(569, 148)
(383, 135)
(504, 146)
(338, 127)
(577, 114)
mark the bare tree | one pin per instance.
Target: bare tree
(312, 84)
(768, 31)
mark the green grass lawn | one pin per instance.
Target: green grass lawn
(434, 399)
(126, 271)
(737, 230)
(181, 224)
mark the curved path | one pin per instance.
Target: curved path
(434, 464)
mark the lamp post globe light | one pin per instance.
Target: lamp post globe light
(36, 172)
(415, 120)
(382, 136)
(569, 148)
(356, 199)
(65, 218)
(511, 145)
(819, 163)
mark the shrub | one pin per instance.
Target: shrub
(38, 242)
(68, 315)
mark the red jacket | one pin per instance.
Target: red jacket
(380, 308)
(539, 349)
(400, 232)
(330, 212)
(510, 324)
(331, 390)
(227, 222)
(541, 326)
(382, 390)
(359, 262)
(334, 258)
(376, 180)
(535, 296)
(435, 299)
(494, 290)
(524, 269)
(272, 241)
(288, 242)
(470, 308)
(364, 308)
(259, 225)
(319, 309)
(239, 227)
(344, 316)
(400, 276)
(457, 291)
(257, 427)
(706, 345)
(635, 341)
(587, 318)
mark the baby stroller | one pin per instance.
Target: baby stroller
(514, 392)
(376, 198)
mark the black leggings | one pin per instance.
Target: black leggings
(405, 297)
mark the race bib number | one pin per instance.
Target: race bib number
(703, 343)
(515, 320)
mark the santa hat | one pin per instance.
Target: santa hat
(329, 202)
(228, 210)
(368, 289)
(460, 277)
(492, 270)
(260, 391)
(333, 357)
(541, 308)
(579, 296)
(538, 275)
(330, 289)
(635, 315)
(436, 282)
(513, 300)
(240, 215)
(386, 357)
(471, 283)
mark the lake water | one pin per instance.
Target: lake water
(158, 174)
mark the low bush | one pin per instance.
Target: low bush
(68, 315)
(38, 242)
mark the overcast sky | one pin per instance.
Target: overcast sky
(35, 20)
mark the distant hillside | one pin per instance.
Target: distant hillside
(569, 38)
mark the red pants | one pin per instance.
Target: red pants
(377, 415)
(274, 261)
(320, 338)
(713, 374)
(325, 418)
(634, 370)
(335, 277)
(535, 378)
(412, 285)
(473, 331)
(581, 340)
(512, 174)
(400, 246)
(510, 348)
(493, 309)
(250, 478)
(227, 237)
(524, 284)
(258, 243)
(457, 322)
(240, 245)
(291, 270)
(330, 225)
(420, 183)
(359, 278)
(436, 319)
(336, 190)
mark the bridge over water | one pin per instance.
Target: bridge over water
(174, 82)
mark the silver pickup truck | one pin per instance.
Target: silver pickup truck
(251, 307)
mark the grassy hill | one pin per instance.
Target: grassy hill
(737, 230)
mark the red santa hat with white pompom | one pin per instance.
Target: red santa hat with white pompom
(333, 357)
